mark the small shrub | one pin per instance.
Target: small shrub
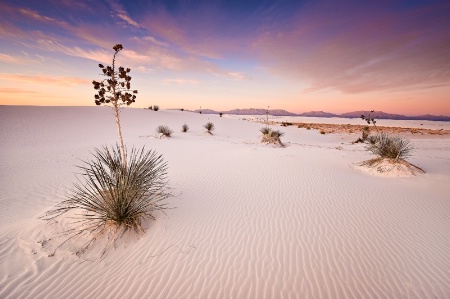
(220, 114)
(276, 134)
(372, 139)
(265, 131)
(322, 132)
(285, 124)
(184, 128)
(164, 131)
(114, 198)
(308, 128)
(150, 107)
(392, 147)
(365, 133)
(270, 136)
(155, 107)
(182, 109)
(209, 126)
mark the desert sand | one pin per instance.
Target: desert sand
(249, 221)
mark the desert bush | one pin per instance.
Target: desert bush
(285, 124)
(322, 132)
(393, 147)
(155, 107)
(365, 132)
(209, 126)
(220, 114)
(164, 130)
(265, 130)
(182, 109)
(276, 134)
(372, 139)
(184, 128)
(271, 136)
(114, 198)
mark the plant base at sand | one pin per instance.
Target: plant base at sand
(271, 136)
(397, 167)
(113, 199)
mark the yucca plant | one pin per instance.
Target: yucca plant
(271, 136)
(164, 131)
(392, 147)
(209, 126)
(184, 128)
(114, 199)
(118, 191)
(265, 131)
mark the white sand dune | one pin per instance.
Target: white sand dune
(251, 220)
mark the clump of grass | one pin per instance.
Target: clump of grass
(365, 132)
(184, 128)
(164, 131)
(114, 198)
(265, 131)
(271, 136)
(392, 147)
(322, 132)
(209, 126)
(155, 107)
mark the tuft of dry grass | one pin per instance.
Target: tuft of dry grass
(164, 131)
(209, 126)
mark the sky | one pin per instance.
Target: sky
(306, 55)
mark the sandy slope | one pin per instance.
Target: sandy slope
(251, 220)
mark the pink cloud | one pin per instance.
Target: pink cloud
(40, 79)
(181, 81)
(359, 52)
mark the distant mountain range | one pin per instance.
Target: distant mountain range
(354, 114)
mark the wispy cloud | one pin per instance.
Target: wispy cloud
(362, 51)
(40, 79)
(16, 59)
(119, 12)
(181, 81)
(9, 90)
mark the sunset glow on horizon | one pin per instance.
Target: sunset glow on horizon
(333, 56)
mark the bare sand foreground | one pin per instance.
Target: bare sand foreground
(251, 220)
